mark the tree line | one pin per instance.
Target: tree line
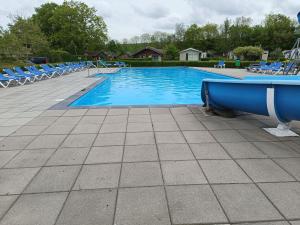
(65, 31)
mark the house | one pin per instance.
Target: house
(96, 55)
(126, 55)
(149, 52)
(191, 54)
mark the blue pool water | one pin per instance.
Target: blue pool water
(147, 86)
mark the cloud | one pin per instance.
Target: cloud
(153, 12)
(126, 18)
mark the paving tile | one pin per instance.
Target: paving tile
(264, 170)
(15, 143)
(216, 125)
(98, 176)
(174, 152)
(89, 120)
(295, 222)
(139, 119)
(46, 141)
(118, 112)
(191, 126)
(240, 150)
(86, 129)
(5, 156)
(266, 223)
(79, 140)
(140, 153)
(67, 120)
(59, 129)
(75, 112)
(186, 118)
(52, 113)
(169, 137)
(42, 121)
(13, 181)
(5, 131)
(182, 172)
(132, 210)
(195, 204)
(209, 151)
(116, 119)
(292, 165)
(62, 179)
(227, 136)
(180, 110)
(223, 171)
(141, 174)
(68, 156)
(41, 209)
(6, 202)
(139, 127)
(285, 196)
(105, 155)
(139, 111)
(110, 139)
(162, 118)
(198, 137)
(88, 207)
(245, 203)
(29, 130)
(257, 135)
(96, 112)
(113, 128)
(276, 149)
(30, 158)
(140, 138)
(165, 126)
(160, 110)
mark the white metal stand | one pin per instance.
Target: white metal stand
(283, 129)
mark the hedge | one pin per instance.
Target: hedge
(229, 64)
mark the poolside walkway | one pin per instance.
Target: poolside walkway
(238, 73)
(139, 166)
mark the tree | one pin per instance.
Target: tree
(72, 26)
(171, 52)
(179, 32)
(23, 39)
(248, 52)
(279, 30)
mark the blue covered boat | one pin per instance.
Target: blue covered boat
(272, 96)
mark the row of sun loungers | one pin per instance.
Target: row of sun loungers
(274, 68)
(19, 76)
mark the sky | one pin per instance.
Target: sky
(127, 18)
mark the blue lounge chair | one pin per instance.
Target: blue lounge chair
(221, 64)
(35, 71)
(5, 81)
(120, 64)
(50, 70)
(21, 72)
(13, 75)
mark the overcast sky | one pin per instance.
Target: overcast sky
(126, 18)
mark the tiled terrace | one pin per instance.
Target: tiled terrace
(139, 166)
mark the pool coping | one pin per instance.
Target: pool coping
(65, 104)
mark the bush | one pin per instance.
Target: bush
(63, 56)
(142, 63)
(248, 52)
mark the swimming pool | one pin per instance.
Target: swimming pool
(147, 86)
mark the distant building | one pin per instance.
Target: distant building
(192, 54)
(96, 55)
(149, 52)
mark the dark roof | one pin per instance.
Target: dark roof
(158, 51)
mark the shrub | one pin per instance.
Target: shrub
(142, 63)
(248, 52)
(63, 56)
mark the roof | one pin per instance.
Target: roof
(158, 51)
(190, 49)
